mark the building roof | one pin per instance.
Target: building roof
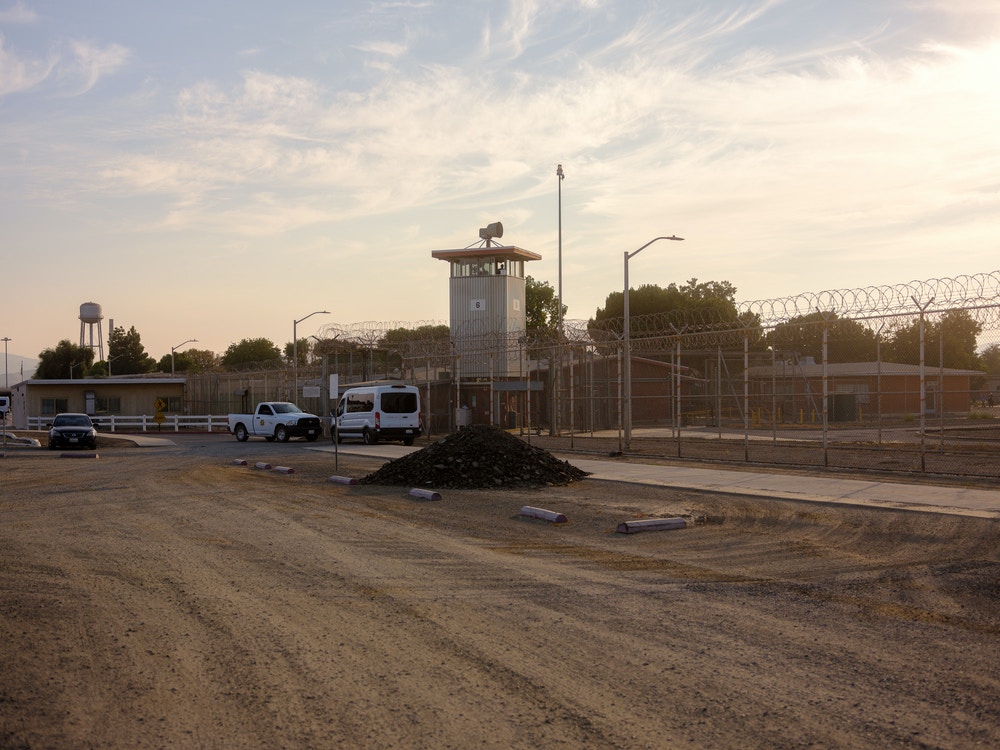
(105, 382)
(853, 369)
(506, 252)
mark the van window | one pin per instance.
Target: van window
(404, 402)
(363, 402)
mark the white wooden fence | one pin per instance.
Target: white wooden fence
(148, 423)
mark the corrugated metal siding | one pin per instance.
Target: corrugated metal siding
(485, 320)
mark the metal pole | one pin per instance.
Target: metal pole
(572, 421)
(172, 350)
(826, 393)
(940, 393)
(6, 375)
(746, 395)
(677, 394)
(560, 175)
(923, 387)
(774, 399)
(627, 347)
(295, 352)
(628, 342)
(555, 423)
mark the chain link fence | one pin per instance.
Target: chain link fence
(903, 378)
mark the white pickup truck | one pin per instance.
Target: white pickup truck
(275, 420)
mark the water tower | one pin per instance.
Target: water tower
(90, 315)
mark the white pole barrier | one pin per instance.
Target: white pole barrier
(425, 494)
(545, 515)
(651, 524)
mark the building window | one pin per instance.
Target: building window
(107, 405)
(173, 403)
(53, 406)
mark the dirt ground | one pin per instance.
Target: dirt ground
(156, 598)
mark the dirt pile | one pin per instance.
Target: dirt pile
(477, 457)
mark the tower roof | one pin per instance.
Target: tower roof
(507, 252)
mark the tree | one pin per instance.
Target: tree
(989, 359)
(301, 351)
(955, 332)
(202, 360)
(190, 360)
(847, 340)
(426, 340)
(126, 354)
(250, 352)
(705, 301)
(66, 360)
(541, 308)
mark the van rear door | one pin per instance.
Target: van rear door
(400, 408)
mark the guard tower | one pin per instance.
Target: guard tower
(486, 301)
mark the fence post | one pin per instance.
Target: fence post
(746, 394)
(826, 387)
(923, 388)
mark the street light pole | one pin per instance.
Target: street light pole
(172, 349)
(295, 351)
(560, 175)
(6, 375)
(628, 341)
(556, 376)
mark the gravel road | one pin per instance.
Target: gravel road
(165, 597)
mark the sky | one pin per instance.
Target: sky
(217, 170)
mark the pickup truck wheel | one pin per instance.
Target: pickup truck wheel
(281, 433)
(241, 433)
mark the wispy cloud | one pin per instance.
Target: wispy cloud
(19, 13)
(90, 63)
(18, 74)
(75, 69)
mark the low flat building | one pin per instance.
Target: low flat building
(119, 396)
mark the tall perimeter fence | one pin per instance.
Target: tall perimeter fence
(902, 378)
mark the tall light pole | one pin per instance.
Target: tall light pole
(628, 342)
(174, 348)
(560, 175)
(6, 375)
(554, 422)
(295, 350)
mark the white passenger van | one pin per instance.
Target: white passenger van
(379, 412)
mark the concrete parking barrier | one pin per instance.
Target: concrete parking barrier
(342, 480)
(239, 462)
(651, 524)
(284, 469)
(263, 465)
(546, 515)
(425, 494)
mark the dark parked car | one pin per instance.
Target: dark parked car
(72, 431)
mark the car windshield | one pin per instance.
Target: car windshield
(72, 420)
(286, 408)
